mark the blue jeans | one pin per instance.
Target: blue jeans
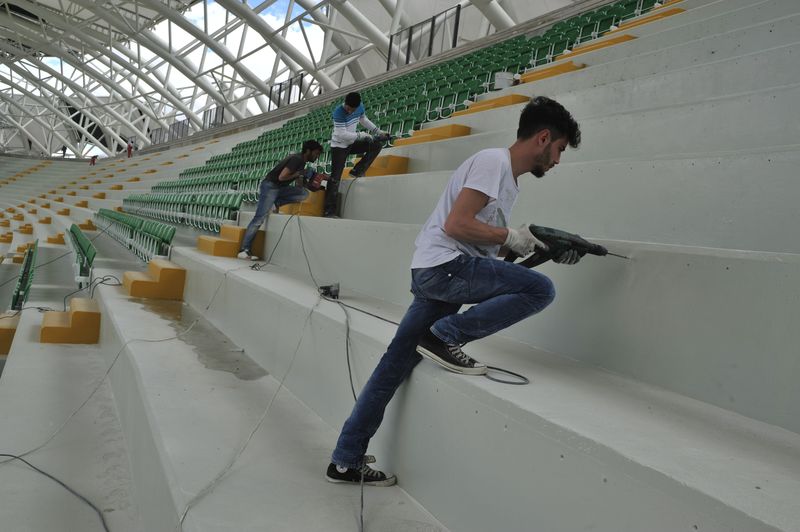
(503, 294)
(270, 194)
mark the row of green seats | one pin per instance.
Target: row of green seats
(85, 253)
(215, 182)
(205, 211)
(145, 238)
(25, 277)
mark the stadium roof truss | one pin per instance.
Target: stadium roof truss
(90, 75)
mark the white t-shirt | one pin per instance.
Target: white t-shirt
(488, 171)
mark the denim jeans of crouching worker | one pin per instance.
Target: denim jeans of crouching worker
(270, 194)
(503, 294)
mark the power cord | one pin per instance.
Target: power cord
(93, 286)
(62, 484)
(211, 486)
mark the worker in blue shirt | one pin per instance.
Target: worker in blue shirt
(345, 140)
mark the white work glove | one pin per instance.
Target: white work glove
(364, 136)
(570, 256)
(522, 242)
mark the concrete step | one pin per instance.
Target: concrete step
(640, 317)
(709, 126)
(608, 441)
(663, 200)
(89, 454)
(189, 404)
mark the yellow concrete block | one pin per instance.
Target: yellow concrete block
(51, 191)
(45, 220)
(98, 181)
(592, 45)
(655, 15)
(227, 244)
(88, 225)
(119, 209)
(10, 209)
(99, 195)
(25, 230)
(384, 165)
(19, 217)
(63, 212)
(58, 238)
(434, 133)
(166, 163)
(184, 156)
(79, 325)
(71, 193)
(162, 280)
(116, 187)
(32, 200)
(17, 259)
(82, 203)
(8, 327)
(5, 223)
(551, 71)
(313, 205)
(151, 171)
(84, 187)
(134, 179)
(32, 211)
(494, 103)
(45, 205)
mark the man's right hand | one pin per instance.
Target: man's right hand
(522, 242)
(365, 137)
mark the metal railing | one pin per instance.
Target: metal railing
(424, 39)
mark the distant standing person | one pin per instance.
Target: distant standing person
(93, 160)
(275, 190)
(130, 149)
(63, 151)
(346, 140)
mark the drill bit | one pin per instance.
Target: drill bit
(620, 256)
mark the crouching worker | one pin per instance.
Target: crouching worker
(346, 141)
(456, 263)
(276, 190)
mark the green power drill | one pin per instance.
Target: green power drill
(558, 242)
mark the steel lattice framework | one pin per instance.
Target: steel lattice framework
(89, 76)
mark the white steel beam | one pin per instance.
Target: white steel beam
(243, 11)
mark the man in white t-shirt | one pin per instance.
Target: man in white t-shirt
(456, 263)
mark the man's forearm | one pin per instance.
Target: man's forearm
(472, 231)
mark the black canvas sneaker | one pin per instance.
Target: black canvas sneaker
(352, 475)
(449, 356)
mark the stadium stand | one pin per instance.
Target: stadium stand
(663, 391)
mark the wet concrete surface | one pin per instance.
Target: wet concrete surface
(214, 350)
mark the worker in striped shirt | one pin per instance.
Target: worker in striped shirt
(345, 140)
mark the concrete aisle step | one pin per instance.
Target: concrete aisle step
(188, 405)
(41, 385)
(672, 462)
